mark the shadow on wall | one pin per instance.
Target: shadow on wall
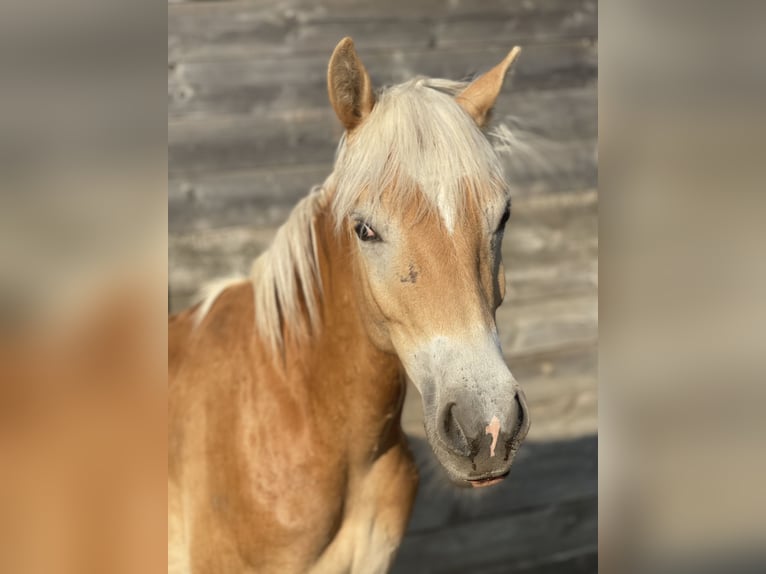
(541, 519)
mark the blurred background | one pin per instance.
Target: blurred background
(250, 130)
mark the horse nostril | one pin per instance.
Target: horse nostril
(453, 435)
(522, 426)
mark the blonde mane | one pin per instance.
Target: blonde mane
(288, 272)
(416, 140)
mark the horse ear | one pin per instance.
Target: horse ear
(349, 85)
(480, 95)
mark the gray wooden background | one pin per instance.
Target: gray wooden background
(250, 131)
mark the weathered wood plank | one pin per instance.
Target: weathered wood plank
(565, 363)
(516, 539)
(249, 84)
(217, 31)
(553, 229)
(212, 14)
(372, 9)
(563, 407)
(580, 561)
(197, 258)
(259, 197)
(207, 96)
(369, 9)
(575, 20)
(233, 143)
(547, 324)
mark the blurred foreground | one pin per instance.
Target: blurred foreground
(82, 289)
(683, 277)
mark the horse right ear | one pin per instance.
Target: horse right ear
(349, 85)
(479, 97)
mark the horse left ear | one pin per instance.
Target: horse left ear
(480, 95)
(349, 85)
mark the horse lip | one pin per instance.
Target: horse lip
(487, 481)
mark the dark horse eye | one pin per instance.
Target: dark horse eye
(365, 232)
(504, 219)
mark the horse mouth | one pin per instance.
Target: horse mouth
(489, 481)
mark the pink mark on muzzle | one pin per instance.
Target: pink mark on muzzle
(493, 428)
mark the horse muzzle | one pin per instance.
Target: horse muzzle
(476, 441)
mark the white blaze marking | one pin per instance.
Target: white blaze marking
(493, 428)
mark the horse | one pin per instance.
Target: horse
(286, 452)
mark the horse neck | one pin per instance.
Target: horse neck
(354, 379)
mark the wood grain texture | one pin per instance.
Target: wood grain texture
(241, 83)
(282, 24)
(513, 539)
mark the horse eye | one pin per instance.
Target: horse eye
(504, 219)
(365, 232)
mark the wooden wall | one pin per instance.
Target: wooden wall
(250, 131)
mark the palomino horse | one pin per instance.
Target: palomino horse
(286, 450)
